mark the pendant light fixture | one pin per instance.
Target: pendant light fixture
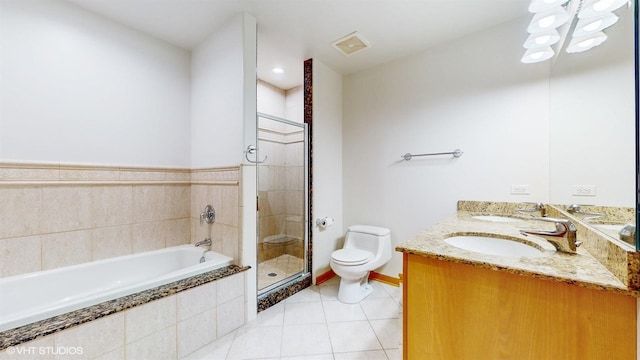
(591, 17)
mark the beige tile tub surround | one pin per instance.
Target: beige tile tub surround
(581, 269)
(219, 188)
(54, 215)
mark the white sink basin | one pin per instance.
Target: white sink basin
(493, 246)
(496, 218)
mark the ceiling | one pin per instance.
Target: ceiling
(291, 31)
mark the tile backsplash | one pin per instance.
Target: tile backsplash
(54, 215)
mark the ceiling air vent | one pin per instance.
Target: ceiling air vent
(351, 44)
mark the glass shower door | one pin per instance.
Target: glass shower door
(282, 202)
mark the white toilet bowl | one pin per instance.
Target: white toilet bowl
(366, 248)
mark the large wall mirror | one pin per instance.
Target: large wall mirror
(637, 110)
(592, 143)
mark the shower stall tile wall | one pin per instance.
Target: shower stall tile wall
(54, 215)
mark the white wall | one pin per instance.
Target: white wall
(593, 121)
(79, 88)
(287, 104)
(249, 186)
(271, 99)
(327, 164)
(472, 94)
(294, 104)
(217, 97)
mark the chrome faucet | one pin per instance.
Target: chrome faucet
(205, 242)
(563, 238)
(577, 209)
(537, 207)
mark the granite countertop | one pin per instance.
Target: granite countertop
(580, 269)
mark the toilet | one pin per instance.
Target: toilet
(366, 248)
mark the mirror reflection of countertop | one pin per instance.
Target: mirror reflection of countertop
(580, 269)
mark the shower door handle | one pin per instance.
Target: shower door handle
(252, 149)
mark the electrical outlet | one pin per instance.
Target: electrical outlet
(520, 189)
(584, 190)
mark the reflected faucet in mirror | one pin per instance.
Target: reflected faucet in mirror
(577, 210)
(530, 208)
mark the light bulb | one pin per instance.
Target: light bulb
(593, 25)
(586, 43)
(535, 41)
(580, 44)
(602, 5)
(597, 8)
(537, 55)
(589, 26)
(540, 40)
(546, 21)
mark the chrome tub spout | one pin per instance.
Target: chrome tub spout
(205, 242)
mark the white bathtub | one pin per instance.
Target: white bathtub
(40, 295)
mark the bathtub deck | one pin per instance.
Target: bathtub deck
(30, 332)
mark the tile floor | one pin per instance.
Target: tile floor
(313, 324)
(282, 266)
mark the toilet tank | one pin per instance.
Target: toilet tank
(365, 237)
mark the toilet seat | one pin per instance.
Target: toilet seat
(351, 257)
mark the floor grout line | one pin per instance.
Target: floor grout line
(314, 295)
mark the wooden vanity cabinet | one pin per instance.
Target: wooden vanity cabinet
(459, 311)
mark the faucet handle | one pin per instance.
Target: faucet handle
(537, 207)
(208, 215)
(564, 225)
(566, 222)
(563, 238)
(574, 208)
(589, 215)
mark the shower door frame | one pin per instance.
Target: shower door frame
(305, 272)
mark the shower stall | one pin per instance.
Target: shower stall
(282, 214)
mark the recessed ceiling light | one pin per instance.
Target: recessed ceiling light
(277, 70)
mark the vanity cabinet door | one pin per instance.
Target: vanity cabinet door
(458, 311)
